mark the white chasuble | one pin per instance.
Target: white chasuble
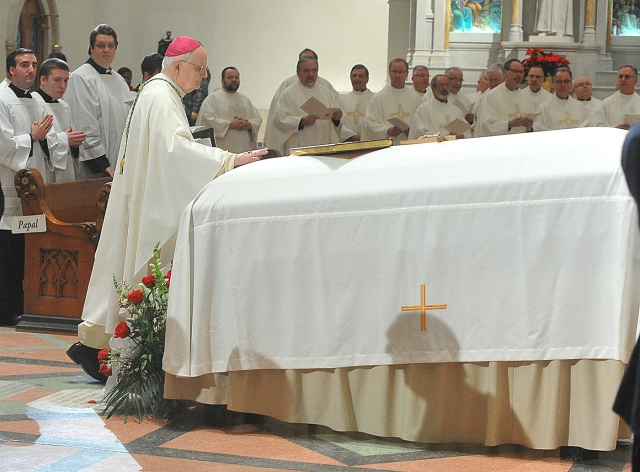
(557, 113)
(499, 106)
(618, 105)
(163, 168)
(217, 111)
(98, 107)
(536, 98)
(354, 106)
(387, 103)
(432, 116)
(286, 133)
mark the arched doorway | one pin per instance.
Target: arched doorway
(31, 28)
(33, 24)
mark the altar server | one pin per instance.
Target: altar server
(625, 101)
(354, 103)
(232, 115)
(562, 111)
(97, 95)
(160, 169)
(52, 79)
(393, 101)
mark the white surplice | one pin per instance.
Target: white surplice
(98, 107)
(217, 111)
(164, 168)
(285, 133)
(389, 102)
(617, 105)
(432, 116)
(62, 165)
(354, 106)
(498, 107)
(16, 117)
(557, 113)
(288, 82)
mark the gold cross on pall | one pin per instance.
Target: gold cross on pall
(400, 114)
(423, 307)
(567, 120)
(356, 114)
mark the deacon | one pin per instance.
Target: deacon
(455, 76)
(433, 115)
(64, 143)
(232, 116)
(23, 144)
(96, 95)
(354, 103)
(583, 90)
(625, 101)
(393, 101)
(562, 111)
(320, 82)
(160, 169)
(292, 127)
(420, 79)
(537, 95)
(504, 108)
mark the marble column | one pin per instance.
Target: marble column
(589, 33)
(515, 30)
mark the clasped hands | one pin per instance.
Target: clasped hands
(240, 124)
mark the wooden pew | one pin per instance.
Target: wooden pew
(58, 262)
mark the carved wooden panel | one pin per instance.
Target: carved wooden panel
(58, 273)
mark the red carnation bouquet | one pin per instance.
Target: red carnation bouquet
(134, 358)
(549, 60)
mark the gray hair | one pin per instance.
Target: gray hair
(168, 60)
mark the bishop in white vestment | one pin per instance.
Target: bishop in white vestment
(159, 170)
(232, 116)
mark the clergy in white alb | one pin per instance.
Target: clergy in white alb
(495, 76)
(420, 79)
(63, 142)
(354, 104)
(393, 101)
(482, 87)
(321, 82)
(293, 127)
(555, 17)
(159, 170)
(504, 108)
(232, 116)
(562, 111)
(456, 78)
(625, 101)
(97, 96)
(433, 115)
(535, 93)
(583, 90)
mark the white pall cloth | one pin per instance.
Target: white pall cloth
(305, 262)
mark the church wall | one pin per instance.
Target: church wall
(262, 38)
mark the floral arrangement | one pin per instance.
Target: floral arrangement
(134, 358)
(549, 61)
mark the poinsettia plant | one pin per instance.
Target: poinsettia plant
(134, 358)
(549, 60)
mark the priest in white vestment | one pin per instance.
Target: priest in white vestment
(354, 104)
(562, 111)
(433, 115)
(482, 87)
(420, 80)
(583, 91)
(536, 94)
(64, 143)
(25, 129)
(97, 95)
(232, 116)
(320, 82)
(456, 78)
(504, 108)
(625, 101)
(393, 101)
(159, 170)
(293, 127)
(495, 76)
(555, 17)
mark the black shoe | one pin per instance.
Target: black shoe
(87, 358)
(9, 320)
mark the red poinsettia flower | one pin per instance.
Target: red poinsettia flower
(148, 281)
(168, 277)
(122, 330)
(136, 297)
(103, 355)
(104, 369)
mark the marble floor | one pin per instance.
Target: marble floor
(50, 421)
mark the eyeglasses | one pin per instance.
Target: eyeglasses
(453, 79)
(535, 76)
(582, 85)
(105, 46)
(421, 75)
(562, 82)
(440, 86)
(516, 71)
(621, 76)
(199, 68)
(393, 71)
